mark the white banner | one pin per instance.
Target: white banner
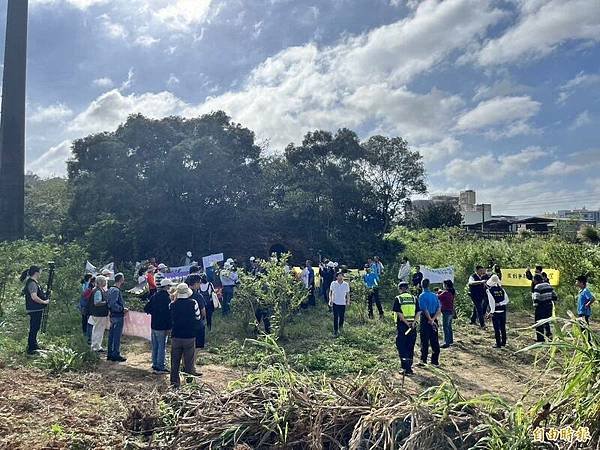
(208, 261)
(176, 273)
(90, 268)
(438, 276)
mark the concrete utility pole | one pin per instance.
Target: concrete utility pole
(12, 124)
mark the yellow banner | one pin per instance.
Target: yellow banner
(517, 278)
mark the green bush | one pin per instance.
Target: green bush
(17, 256)
(69, 348)
(275, 290)
(440, 248)
(58, 360)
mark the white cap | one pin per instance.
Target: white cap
(166, 282)
(252, 259)
(330, 264)
(189, 254)
(162, 266)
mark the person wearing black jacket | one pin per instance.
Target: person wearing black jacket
(530, 276)
(543, 297)
(117, 311)
(195, 282)
(417, 279)
(478, 293)
(185, 315)
(160, 323)
(327, 274)
(206, 290)
(35, 303)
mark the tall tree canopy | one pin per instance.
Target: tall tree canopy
(162, 187)
(395, 173)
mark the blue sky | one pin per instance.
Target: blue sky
(499, 96)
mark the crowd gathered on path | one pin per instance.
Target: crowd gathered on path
(183, 311)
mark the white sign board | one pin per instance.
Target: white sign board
(90, 268)
(438, 276)
(208, 261)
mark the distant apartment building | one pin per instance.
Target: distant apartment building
(472, 212)
(465, 202)
(580, 214)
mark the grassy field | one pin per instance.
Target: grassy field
(350, 387)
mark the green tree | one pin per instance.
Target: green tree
(437, 215)
(394, 173)
(324, 198)
(46, 207)
(171, 185)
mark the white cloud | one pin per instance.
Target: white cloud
(172, 81)
(79, 4)
(103, 82)
(510, 112)
(113, 29)
(111, 109)
(581, 120)
(306, 87)
(146, 41)
(561, 168)
(500, 88)
(50, 114)
(490, 167)
(129, 81)
(436, 151)
(181, 14)
(541, 27)
(580, 81)
(52, 162)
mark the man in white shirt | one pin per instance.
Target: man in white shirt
(339, 298)
(404, 272)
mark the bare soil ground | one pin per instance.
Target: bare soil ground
(90, 410)
(94, 410)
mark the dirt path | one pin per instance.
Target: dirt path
(477, 368)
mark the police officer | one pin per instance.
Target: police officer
(406, 308)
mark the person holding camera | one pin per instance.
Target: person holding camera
(35, 303)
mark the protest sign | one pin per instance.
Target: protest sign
(137, 324)
(438, 276)
(177, 272)
(208, 261)
(517, 278)
(90, 268)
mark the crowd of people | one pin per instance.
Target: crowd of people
(183, 310)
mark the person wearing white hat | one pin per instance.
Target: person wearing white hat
(498, 299)
(229, 279)
(160, 324)
(185, 318)
(161, 270)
